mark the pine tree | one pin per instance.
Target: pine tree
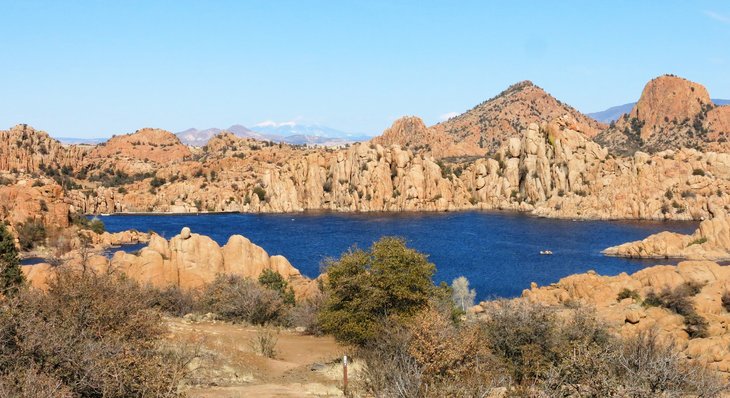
(11, 276)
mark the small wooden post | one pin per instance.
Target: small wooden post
(344, 374)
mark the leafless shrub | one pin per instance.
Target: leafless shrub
(648, 366)
(389, 368)
(305, 314)
(264, 342)
(171, 300)
(32, 383)
(238, 299)
(91, 332)
(429, 357)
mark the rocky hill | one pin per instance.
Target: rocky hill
(27, 150)
(147, 144)
(487, 126)
(672, 113)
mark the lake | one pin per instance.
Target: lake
(499, 252)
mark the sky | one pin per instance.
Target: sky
(97, 68)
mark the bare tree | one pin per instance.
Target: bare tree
(461, 294)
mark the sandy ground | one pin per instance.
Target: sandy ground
(228, 366)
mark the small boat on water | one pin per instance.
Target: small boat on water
(546, 252)
(105, 214)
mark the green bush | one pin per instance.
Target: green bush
(698, 241)
(260, 192)
(628, 293)
(698, 172)
(364, 288)
(31, 234)
(274, 281)
(11, 276)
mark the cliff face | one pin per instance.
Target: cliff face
(672, 113)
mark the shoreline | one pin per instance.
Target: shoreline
(392, 212)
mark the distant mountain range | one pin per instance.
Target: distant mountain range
(287, 132)
(75, 140)
(613, 113)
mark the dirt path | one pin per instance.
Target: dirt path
(228, 366)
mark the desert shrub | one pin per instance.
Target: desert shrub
(365, 287)
(89, 335)
(171, 300)
(628, 293)
(156, 182)
(95, 224)
(726, 300)
(31, 234)
(698, 241)
(698, 172)
(264, 343)
(678, 300)
(305, 314)
(260, 192)
(648, 366)
(32, 383)
(528, 341)
(11, 276)
(430, 356)
(274, 281)
(669, 194)
(235, 298)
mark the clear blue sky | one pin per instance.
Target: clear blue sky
(98, 68)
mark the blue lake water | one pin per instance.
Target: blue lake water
(499, 252)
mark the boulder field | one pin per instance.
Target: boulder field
(188, 261)
(711, 241)
(629, 314)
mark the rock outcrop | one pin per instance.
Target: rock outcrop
(672, 113)
(28, 199)
(627, 316)
(711, 241)
(187, 260)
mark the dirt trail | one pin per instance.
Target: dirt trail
(228, 366)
